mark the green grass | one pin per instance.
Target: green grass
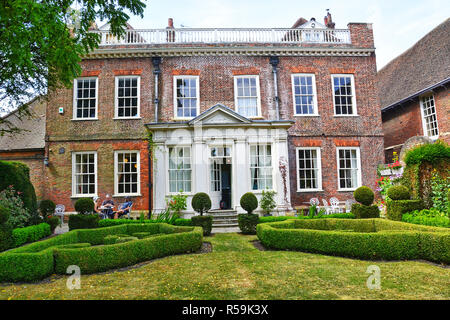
(236, 270)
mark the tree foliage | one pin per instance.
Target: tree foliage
(42, 42)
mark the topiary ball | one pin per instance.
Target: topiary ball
(249, 202)
(84, 205)
(47, 207)
(398, 193)
(201, 202)
(4, 214)
(364, 195)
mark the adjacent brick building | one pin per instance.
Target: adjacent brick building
(229, 111)
(414, 91)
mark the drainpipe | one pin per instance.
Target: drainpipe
(156, 71)
(274, 61)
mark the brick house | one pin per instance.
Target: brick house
(414, 91)
(27, 146)
(229, 110)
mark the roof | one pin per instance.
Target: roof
(423, 66)
(32, 135)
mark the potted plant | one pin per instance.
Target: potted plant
(267, 202)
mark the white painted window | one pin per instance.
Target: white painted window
(429, 118)
(309, 169)
(127, 173)
(186, 97)
(84, 174)
(216, 175)
(304, 93)
(127, 97)
(344, 94)
(349, 168)
(85, 98)
(180, 169)
(247, 96)
(260, 167)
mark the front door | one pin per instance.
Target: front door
(216, 183)
(220, 178)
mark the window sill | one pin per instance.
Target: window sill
(182, 119)
(310, 190)
(345, 115)
(306, 115)
(84, 119)
(256, 118)
(126, 195)
(127, 118)
(83, 196)
(261, 191)
(346, 190)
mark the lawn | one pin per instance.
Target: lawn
(237, 270)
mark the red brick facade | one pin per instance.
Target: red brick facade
(216, 77)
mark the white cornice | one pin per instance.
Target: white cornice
(225, 51)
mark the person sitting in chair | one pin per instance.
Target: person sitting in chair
(108, 204)
(97, 205)
(124, 208)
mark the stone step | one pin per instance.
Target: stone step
(231, 225)
(223, 222)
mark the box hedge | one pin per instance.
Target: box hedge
(364, 239)
(362, 211)
(247, 222)
(41, 259)
(30, 234)
(396, 208)
(83, 221)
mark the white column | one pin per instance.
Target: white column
(160, 176)
(241, 173)
(283, 184)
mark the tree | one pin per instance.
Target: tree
(42, 42)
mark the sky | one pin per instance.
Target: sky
(398, 24)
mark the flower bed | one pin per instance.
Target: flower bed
(38, 260)
(364, 239)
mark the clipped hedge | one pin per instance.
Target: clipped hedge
(364, 195)
(40, 259)
(396, 208)
(328, 216)
(83, 221)
(362, 211)
(363, 239)
(247, 222)
(398, 193)
(115, 222)
(203, 221)
(30, 234)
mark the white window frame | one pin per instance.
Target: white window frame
(175, 78)
(168, 169)
(354, 108)
(319, 169)
(250, 166)
(258, 94)
(75, 98)
(424, 121)
(74, 184)
(358, 162)
(116, 180)
(316, 112)
(116, 98)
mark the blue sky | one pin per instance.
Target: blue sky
(397, 24)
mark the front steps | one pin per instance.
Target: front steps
(224, 221)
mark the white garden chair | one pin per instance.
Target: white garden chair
(348, 205)
(327, 208)
(315, 202)
(335, 205)
(59, 211)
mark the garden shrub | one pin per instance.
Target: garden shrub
(432, 153)
(363, 239)
(84, 206)
(283, 218)
(182, 222)
(396, 208)
(19, 216)
(6, 241)
(247, 223)
(428, 217)
(201, 202)
(398, 192)
(363, 212)
(83, 221)
(364, 195)
(47, 207)
(81, 247)
(4, 214)
(249, 202)
(140, 235)
(17, 175)
(30, 234)
(267, 202)
(203, 221)
(126, 239)
(53, 222)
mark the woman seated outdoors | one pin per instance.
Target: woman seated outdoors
(97, 205)
(124, 208)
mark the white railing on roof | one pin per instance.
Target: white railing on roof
(228, 35)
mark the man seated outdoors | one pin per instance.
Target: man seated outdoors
(124, 208)
(108, 206)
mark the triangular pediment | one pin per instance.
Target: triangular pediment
(220, 114)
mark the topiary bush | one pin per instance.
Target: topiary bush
(203, 221)
(363, 212)
(5, 230)
(84, 205)
(398, 193)
(432, 153)
(364, 195)
(247, 223)
(4, 214)
(53, 222)
(201, 202)
(47, 207)
(83, 221)
(396, 208)
(249, 202)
